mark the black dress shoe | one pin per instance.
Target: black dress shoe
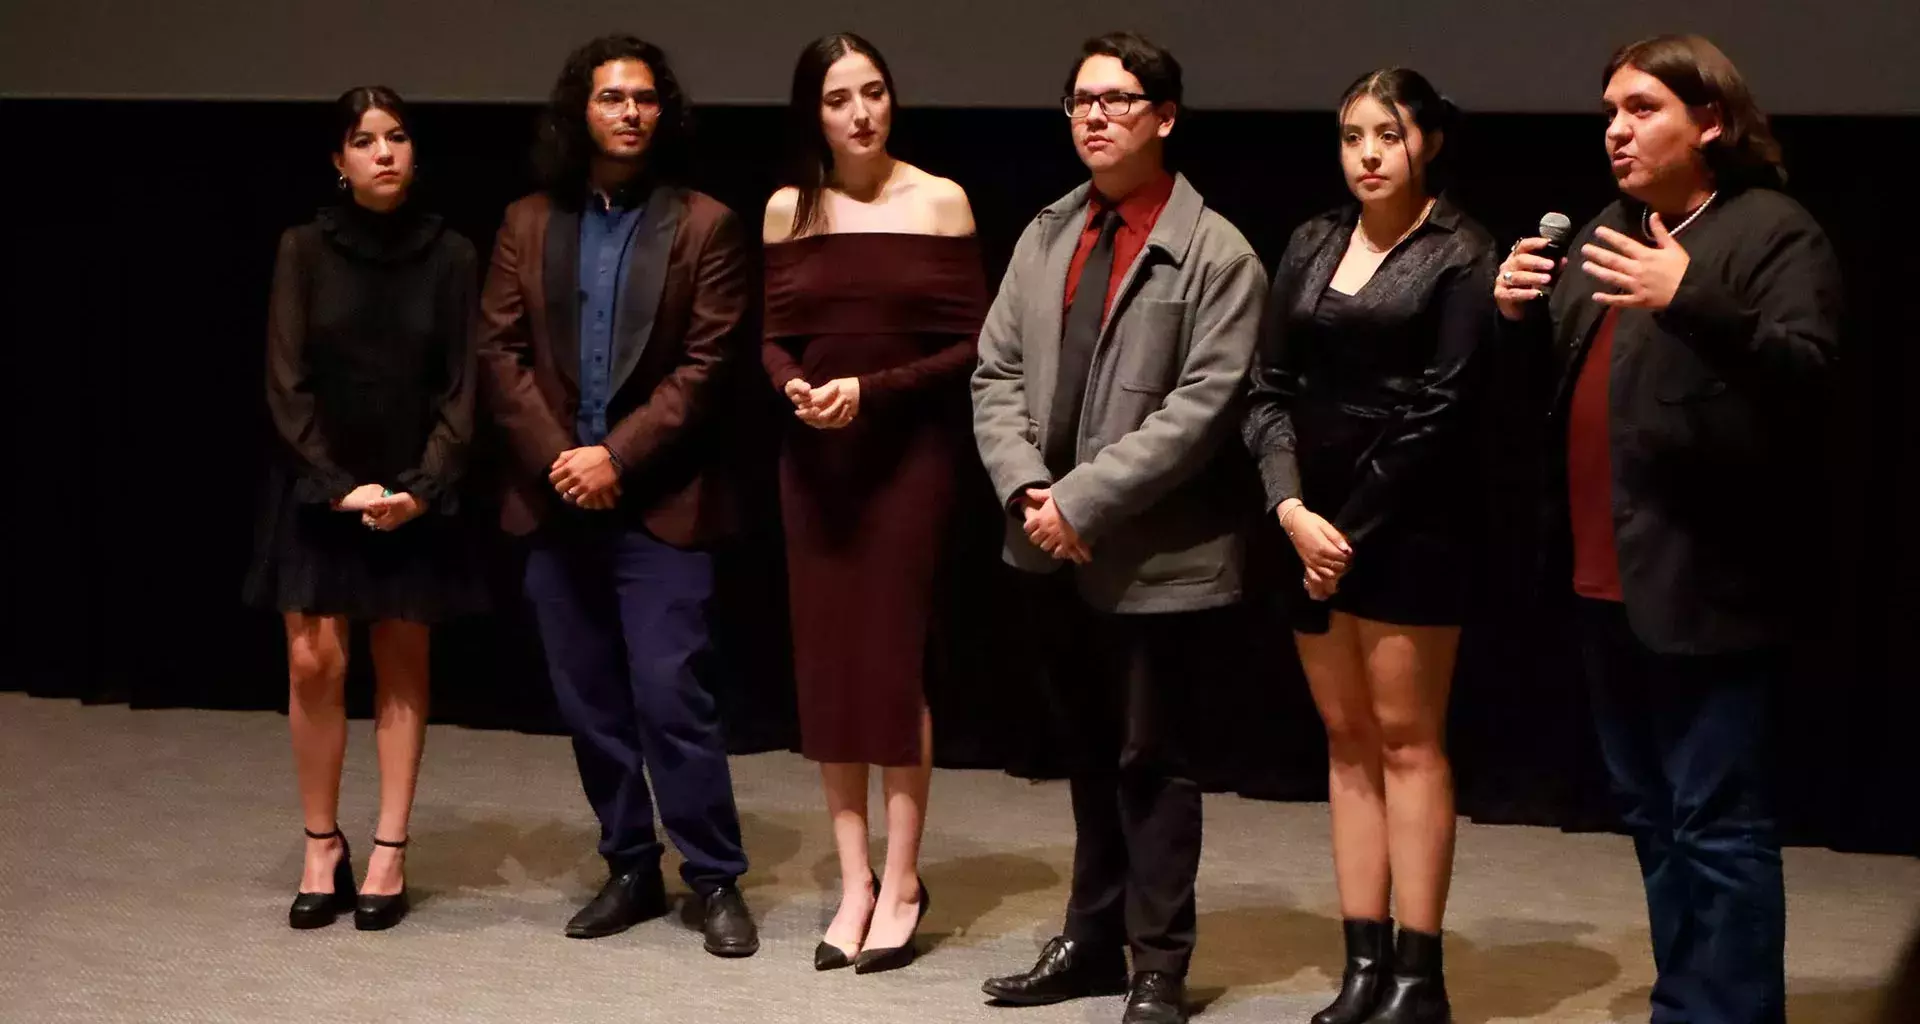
(379, 913)
(829, 957)
(1368, 972)
(729, 926)
(1419, 991)
(627, 899)
(1066, 970)
(319, 909)
(892, 958)
(1156, 998)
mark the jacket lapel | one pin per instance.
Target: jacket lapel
(646, 279)
(1573, 342)
(1172, 236)
(560, 270)
(1317, 275)
(1046, 310)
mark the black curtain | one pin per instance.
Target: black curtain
(139, 243)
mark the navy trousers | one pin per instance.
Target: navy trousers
(623, 620)
(1688, 742)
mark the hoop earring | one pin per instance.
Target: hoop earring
(344, 184)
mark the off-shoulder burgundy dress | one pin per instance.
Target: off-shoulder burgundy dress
(867, 507)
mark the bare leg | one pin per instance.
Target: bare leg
(317, 716)
(846, 787)
(906, 792)
(400, 651)
(1356, 790)
(1411, 671)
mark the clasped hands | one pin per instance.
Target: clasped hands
(1049, 530)
(585, 477)
(828, 407)
(380, 509)
(1322, 549)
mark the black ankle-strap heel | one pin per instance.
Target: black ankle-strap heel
(319, 909)
(378, 913)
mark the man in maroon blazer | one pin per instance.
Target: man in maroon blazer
(611, 304)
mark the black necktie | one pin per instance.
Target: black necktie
(1078, 338)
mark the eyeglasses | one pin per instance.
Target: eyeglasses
(1112, 104)
(613, 102)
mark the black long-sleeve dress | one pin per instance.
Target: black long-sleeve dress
(370, 379)
(1358, 409)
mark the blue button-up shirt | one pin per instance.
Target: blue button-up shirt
(606, 237)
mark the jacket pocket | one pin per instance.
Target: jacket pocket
(1202, 563)
(1147, 345)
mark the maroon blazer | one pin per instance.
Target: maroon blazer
(681, 312)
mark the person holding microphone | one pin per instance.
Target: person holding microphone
(1683, 345)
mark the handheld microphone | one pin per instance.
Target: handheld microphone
(1554, 227)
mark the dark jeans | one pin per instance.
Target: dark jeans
(1119, 692)
(623, 619)
(1688, 741)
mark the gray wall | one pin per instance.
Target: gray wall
(1802, 56)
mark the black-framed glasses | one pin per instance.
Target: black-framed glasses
(1112, 104)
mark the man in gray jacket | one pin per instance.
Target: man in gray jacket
(1105, 402)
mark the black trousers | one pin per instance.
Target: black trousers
(1120, 702)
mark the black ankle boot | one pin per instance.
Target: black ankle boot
(1419, 991)
(1369, 966)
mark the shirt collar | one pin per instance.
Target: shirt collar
(1138, 208)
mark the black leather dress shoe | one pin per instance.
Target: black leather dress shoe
(1066, 970)
(729, 926)
(1156, 998)
(626, 900)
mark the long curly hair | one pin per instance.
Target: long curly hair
(564, 147)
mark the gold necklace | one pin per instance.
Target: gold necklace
(1361, 233)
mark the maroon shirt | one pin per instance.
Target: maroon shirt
(1138, 212)
(1596, 561)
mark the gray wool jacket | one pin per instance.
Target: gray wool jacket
(1161, 490)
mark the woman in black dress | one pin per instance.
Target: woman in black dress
(1356, 419)
(369, 379)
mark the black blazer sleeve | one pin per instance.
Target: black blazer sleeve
(1274, 381)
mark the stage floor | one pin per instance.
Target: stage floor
(147, 857)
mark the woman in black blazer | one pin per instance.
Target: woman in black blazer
(1356, 419)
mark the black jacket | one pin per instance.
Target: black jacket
(1712, 403)
(1365, 421)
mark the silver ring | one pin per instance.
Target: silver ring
(1507, 276)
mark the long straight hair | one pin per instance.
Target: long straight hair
(809, 157)
(1702, 76)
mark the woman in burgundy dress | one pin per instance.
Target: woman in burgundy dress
(874, 299)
